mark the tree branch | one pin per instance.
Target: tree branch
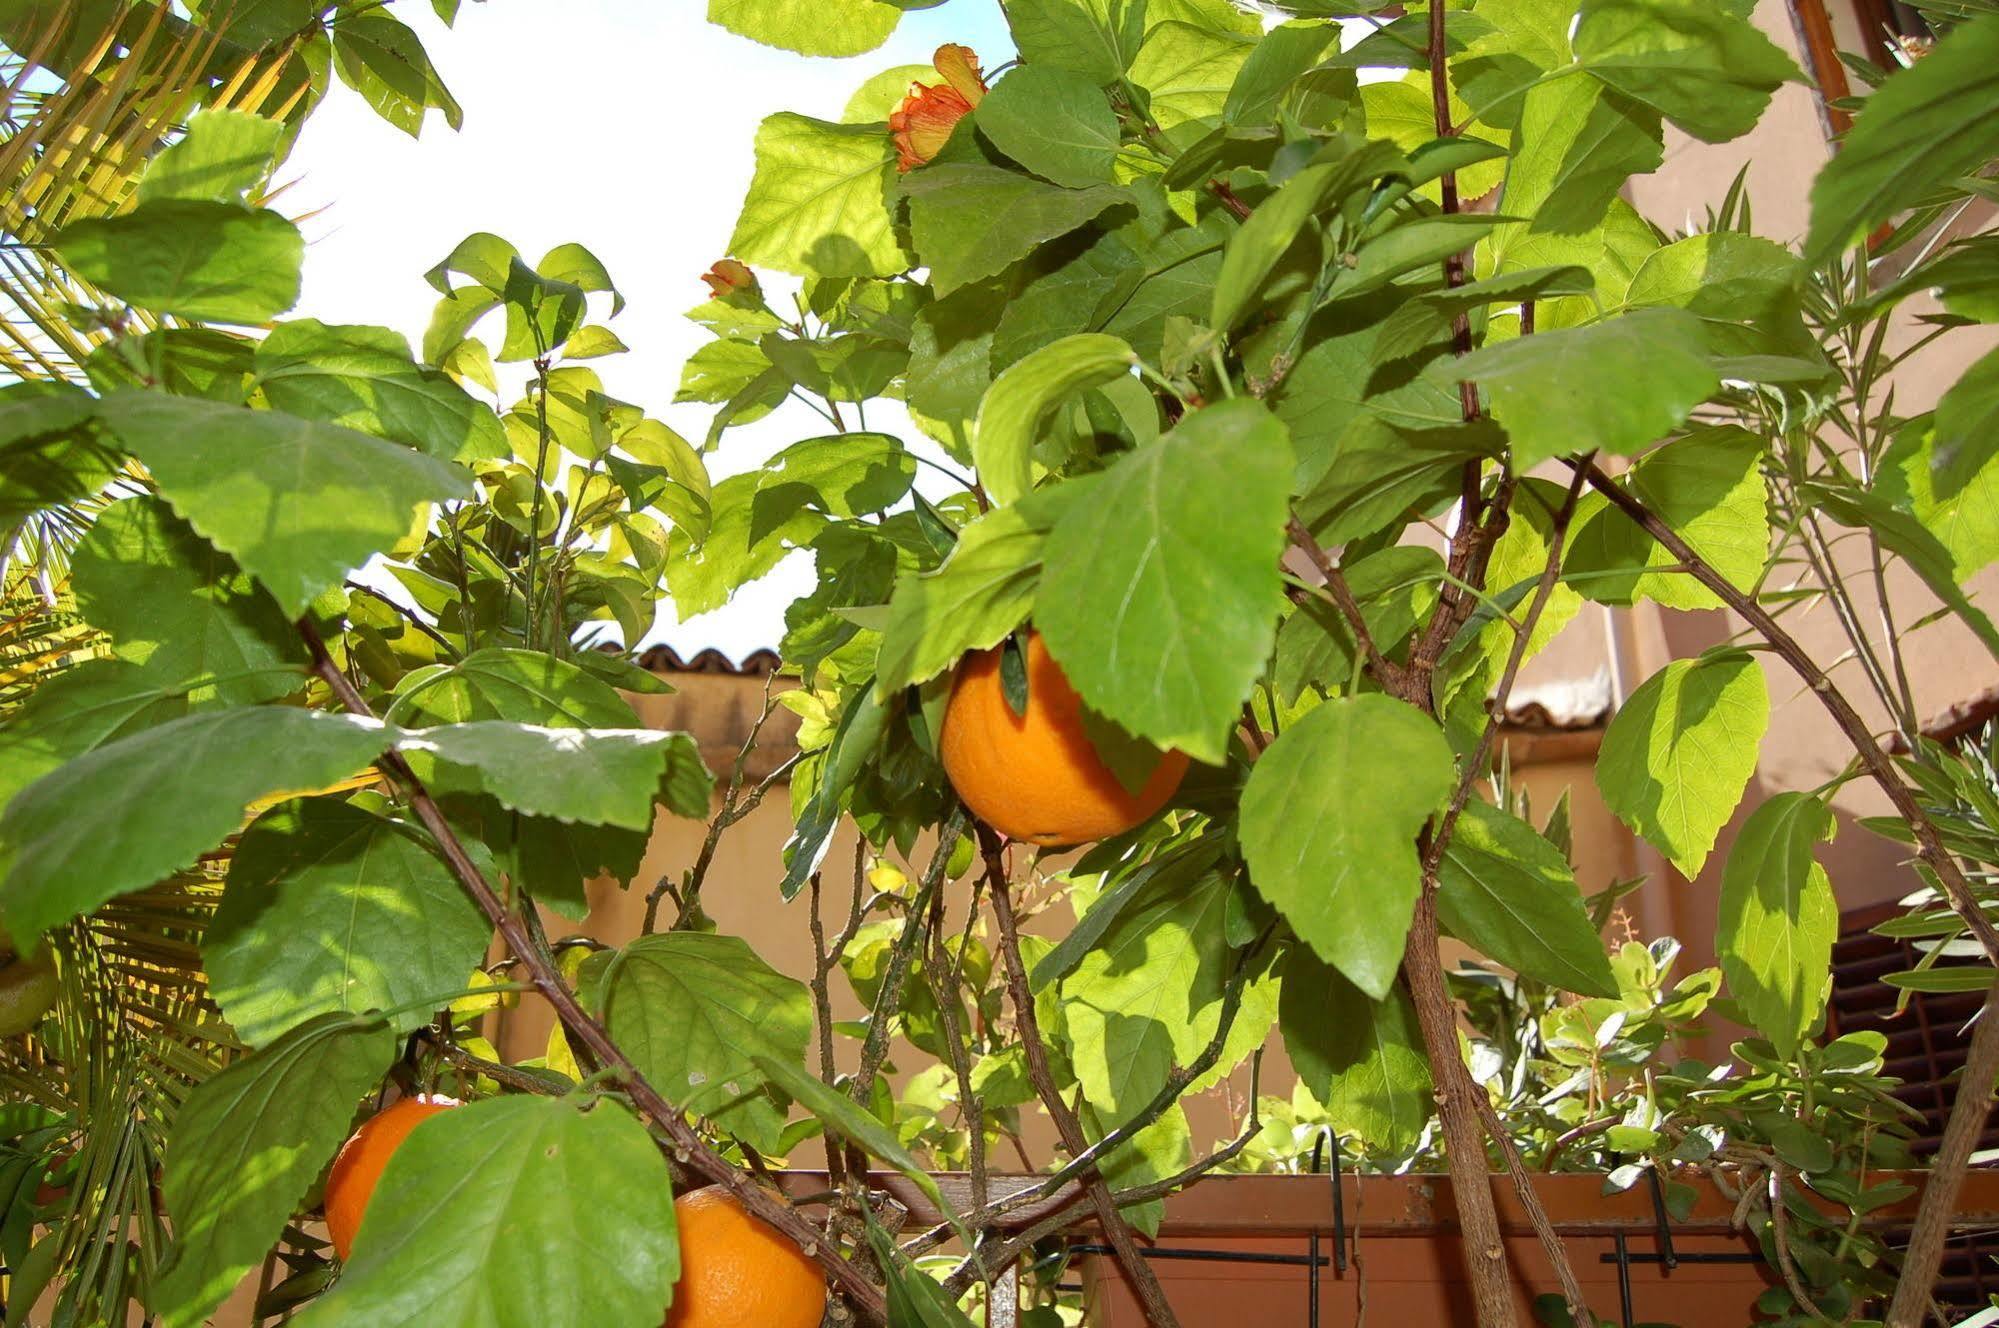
(1116, 1229)
(889, 998)
(687, 1143)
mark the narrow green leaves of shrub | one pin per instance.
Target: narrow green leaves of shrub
(1704, 67)
(1779, 918)
(1511, 895)
(694, 1010)
(331, 908)
(298, 503)
(126, 814)
(220, 262)
(1362, 1058)
(552, 1211)
(245, 1148)
(363, 378)
(1053, 121)
(1013, 416)
(822, 27)
(1927, 125)
(1678, 756)
(818, 203)
(1161, 595)
(1547, 390)
(971, 221)
(1329, 823)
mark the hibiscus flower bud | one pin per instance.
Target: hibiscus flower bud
(727, 277)
(923, 123)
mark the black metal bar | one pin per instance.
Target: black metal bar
(1623, 1261)
(1339, 1212)
(1212, 1256)
(1667, 1258)
(1312, 1286)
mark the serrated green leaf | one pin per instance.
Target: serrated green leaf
(98, 701)
(971, 221)
(694, 1010)
(1779, 919)
(823, 27)
(1053, 121)
(1361, 1058)
(383, 60)
(1284, 55)
(595, 776)
(1964, 441)
(333, 909)
(1546, 390)
(297, 503)
(1577, 144)
(214, 261)
(522, 686)
(1014, 414)
(363, 378)
(223, 155)
(555, 1211)
(1677, 757)
(1162, 592)
(1329, 823)
(1187, 70)
(181, 610)
(1708, 70)
(126, 814)
(246, 1146)
(818, 203)
(1508, 893)
(1966, 524)
(1094, 37)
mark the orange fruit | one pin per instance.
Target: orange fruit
(1037, 776)
(738, 1272)
(359, 1165)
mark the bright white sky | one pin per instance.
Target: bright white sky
(624, 125)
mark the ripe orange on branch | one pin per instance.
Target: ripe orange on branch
(359, 1164)
(738, 1272)
(1037, 776)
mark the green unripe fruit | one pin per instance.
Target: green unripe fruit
(27, 990)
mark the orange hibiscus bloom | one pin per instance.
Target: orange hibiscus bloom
(727, 277)
(923, 123)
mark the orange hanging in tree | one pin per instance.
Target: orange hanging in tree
(737, 1272)
(923, 123)
(1037, 776)
(359, 1165)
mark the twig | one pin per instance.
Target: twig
(1390, 677)
(1116, 1229)
(889, 998)
(687, 1143)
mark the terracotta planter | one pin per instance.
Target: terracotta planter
(1239, 1251)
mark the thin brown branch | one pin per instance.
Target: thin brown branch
(888, 999)
(1150, 1295)
(1385, 672)
(687, 1143)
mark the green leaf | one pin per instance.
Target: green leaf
(76, 710)
(522, 686)
(842, 475)
(1966, 524)
(1418, 323)
(1678, 756)
(971, 221)
(1284, 55)
(823, 27)
(1094, 37)
(1361, 1058)
(843, 1117)
(1261, 242)
(982, 592)
(1053, 121)
(818, 203)
(1925, 126)
(1722, 275)
(331, 908)
(596, 776)
(246, 1146)
(702, 572)
(181, 610)
(521, 1209)
(363, 378)
(1964, 441)
(1511, 895)
(383, 60)
(1547, 390)
(1708, 70)
(915, 1300)
(297, 503)
(127, 813)
(1779, 919)
(1395, 587)
(1162, 593)
(1529, 39)
(1578, 143)
(855, 741)
(1329, 823)
(1376, 472)
(218, 262)
(1187, 70)
(1907, 539)
(1015, 412)
(1708, 487)
(694, 1010)
(223, 155)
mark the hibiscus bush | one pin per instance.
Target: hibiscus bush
(1280, 379)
